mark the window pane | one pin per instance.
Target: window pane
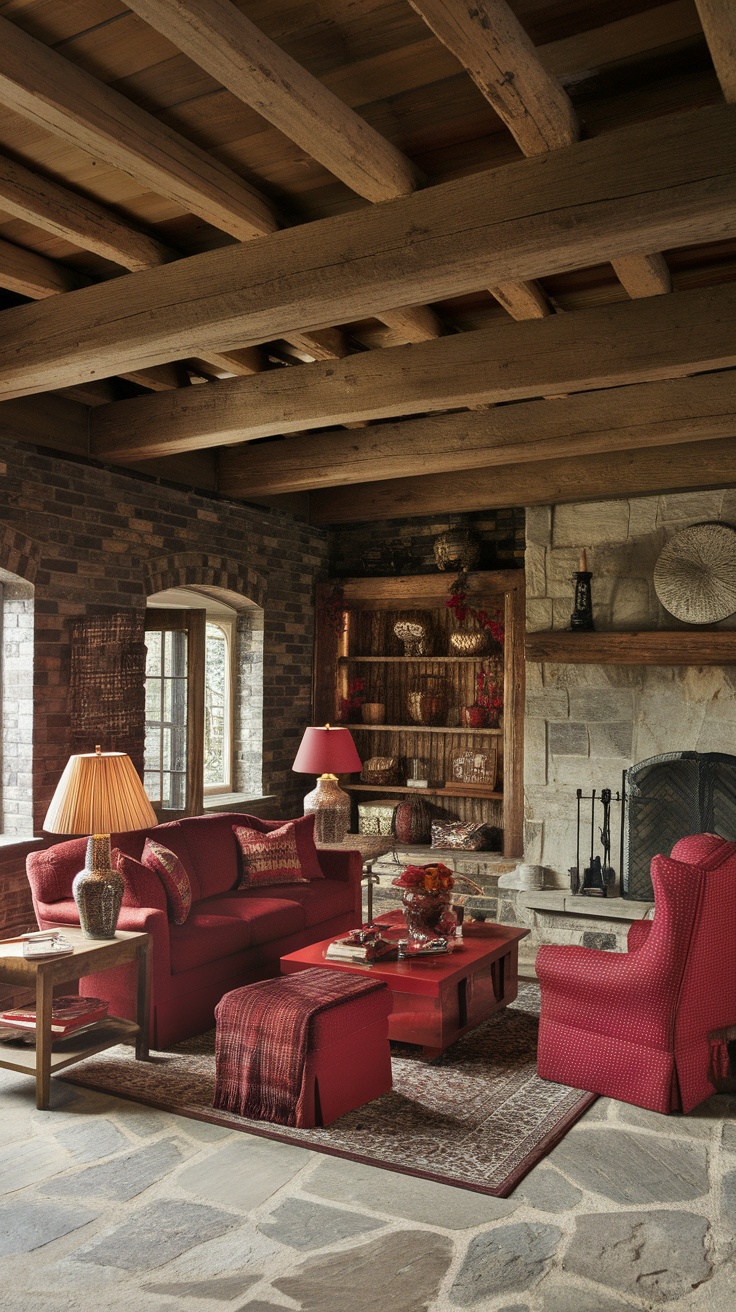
(153, 653)
(166, 718)
(216, 708)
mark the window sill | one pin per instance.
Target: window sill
(244, 802)
(11, 845)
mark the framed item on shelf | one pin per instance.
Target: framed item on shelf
(474, 767)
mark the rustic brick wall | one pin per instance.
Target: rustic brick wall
(92, 540)
(405, 546)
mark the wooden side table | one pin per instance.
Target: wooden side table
(89, 957)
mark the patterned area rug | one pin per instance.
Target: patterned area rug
(478, 1117)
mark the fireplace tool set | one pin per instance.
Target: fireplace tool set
(598, 878)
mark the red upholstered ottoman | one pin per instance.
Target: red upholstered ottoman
(303, 1049)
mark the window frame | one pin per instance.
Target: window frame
(227, 625)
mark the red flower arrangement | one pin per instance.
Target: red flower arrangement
(431, 879)
(489, 696)
(457, 603)
(350, 705)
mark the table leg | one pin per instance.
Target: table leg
(44, 1000)
(143, 1000)
(431, 1054)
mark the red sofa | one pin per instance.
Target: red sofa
(231, 936)
(634, 1026)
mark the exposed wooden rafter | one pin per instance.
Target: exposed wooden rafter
(718, 18)
(33, 275)
(218, 37)
(492, 45)
(671, 179)
(610, 346)
(613, 419)
(591, 478)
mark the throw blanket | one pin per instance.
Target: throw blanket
(262, 1040)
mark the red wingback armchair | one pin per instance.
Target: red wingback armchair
(634, 1025)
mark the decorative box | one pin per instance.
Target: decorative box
(471, 836)
(376, 817)
(471, 767)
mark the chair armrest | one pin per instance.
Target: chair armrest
(589, 989)
(638, 934)
(337, 864)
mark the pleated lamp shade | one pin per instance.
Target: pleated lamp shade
(99, 793)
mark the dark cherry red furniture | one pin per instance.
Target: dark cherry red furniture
(437, 999)
(635, 1025)
(231, 936)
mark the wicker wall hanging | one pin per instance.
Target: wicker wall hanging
(107, 687)
(695, 575)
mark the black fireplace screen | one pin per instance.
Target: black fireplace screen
(668, 797)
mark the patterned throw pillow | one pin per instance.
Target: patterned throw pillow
(473, 836)
(173, 876)
(143, 888)
(271, 858)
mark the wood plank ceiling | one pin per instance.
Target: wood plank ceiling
(318, 246)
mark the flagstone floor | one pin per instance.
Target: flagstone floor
(106, 1204)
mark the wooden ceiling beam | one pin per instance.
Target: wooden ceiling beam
(614, 419)
(492, 45)
(718, 18)
(33, 275)
(613, 345)
(547, 482)
(39, 84)
(47, 205)
(221, 40)
(670, 179)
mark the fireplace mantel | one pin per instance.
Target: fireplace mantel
(655, 647)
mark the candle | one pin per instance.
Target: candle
(582, 563)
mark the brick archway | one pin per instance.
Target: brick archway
(197, 569)
(19, 554)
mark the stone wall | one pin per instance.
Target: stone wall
(586, 723)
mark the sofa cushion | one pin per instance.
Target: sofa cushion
(268, 918)
(304, 830)
(321, 900)
(213, 851)
(143, 888)
(270, 858)
(174, 877)
(204, 938)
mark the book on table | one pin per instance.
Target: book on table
(68, 1014)
(343, 949)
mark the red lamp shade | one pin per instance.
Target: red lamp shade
(327, 750)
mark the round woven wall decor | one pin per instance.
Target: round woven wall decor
(695, 576)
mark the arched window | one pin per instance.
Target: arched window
(203, 698)
(16, 608)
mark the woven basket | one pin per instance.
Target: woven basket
(695, 576)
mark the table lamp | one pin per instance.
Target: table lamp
(327, 752)
(98, 794)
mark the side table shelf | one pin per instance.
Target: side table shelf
(73, 1048)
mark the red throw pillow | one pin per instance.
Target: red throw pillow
(143, 888)
(270, 858)
(304, 831)
(173, 876)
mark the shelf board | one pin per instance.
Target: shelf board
(420, 792)
(73, 1048)
(413, 660)
(659, 647)
(422, 728)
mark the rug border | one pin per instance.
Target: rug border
(510, 1183)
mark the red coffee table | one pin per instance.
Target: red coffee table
(437, 999)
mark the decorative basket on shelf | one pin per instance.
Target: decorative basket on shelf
(414, 637)
(380, 770)
(427, 703)
(458, 549)
(469, 642)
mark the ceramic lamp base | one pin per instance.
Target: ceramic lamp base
(98, 890)
(331, 809)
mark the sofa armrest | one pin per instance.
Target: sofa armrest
(337, 864)
(148, 920)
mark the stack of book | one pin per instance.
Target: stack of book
(68, 1015)
(344, 949)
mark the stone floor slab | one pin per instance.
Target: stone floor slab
(548, 1191)
(405, 1196)
(203, 1131)
(401, 1271)
(655, 1255)
(507, 1259)
(305, 1225)
(31, 1162)
(245, 1172)
(122, 1178)
(567, 1298)
(728, 1198)
(156, 1234)
(633, 1168)
(26, 1225)
(91, 1139)
(674, 1126)
(221, 1288)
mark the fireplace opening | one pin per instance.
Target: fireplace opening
(668, 797)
